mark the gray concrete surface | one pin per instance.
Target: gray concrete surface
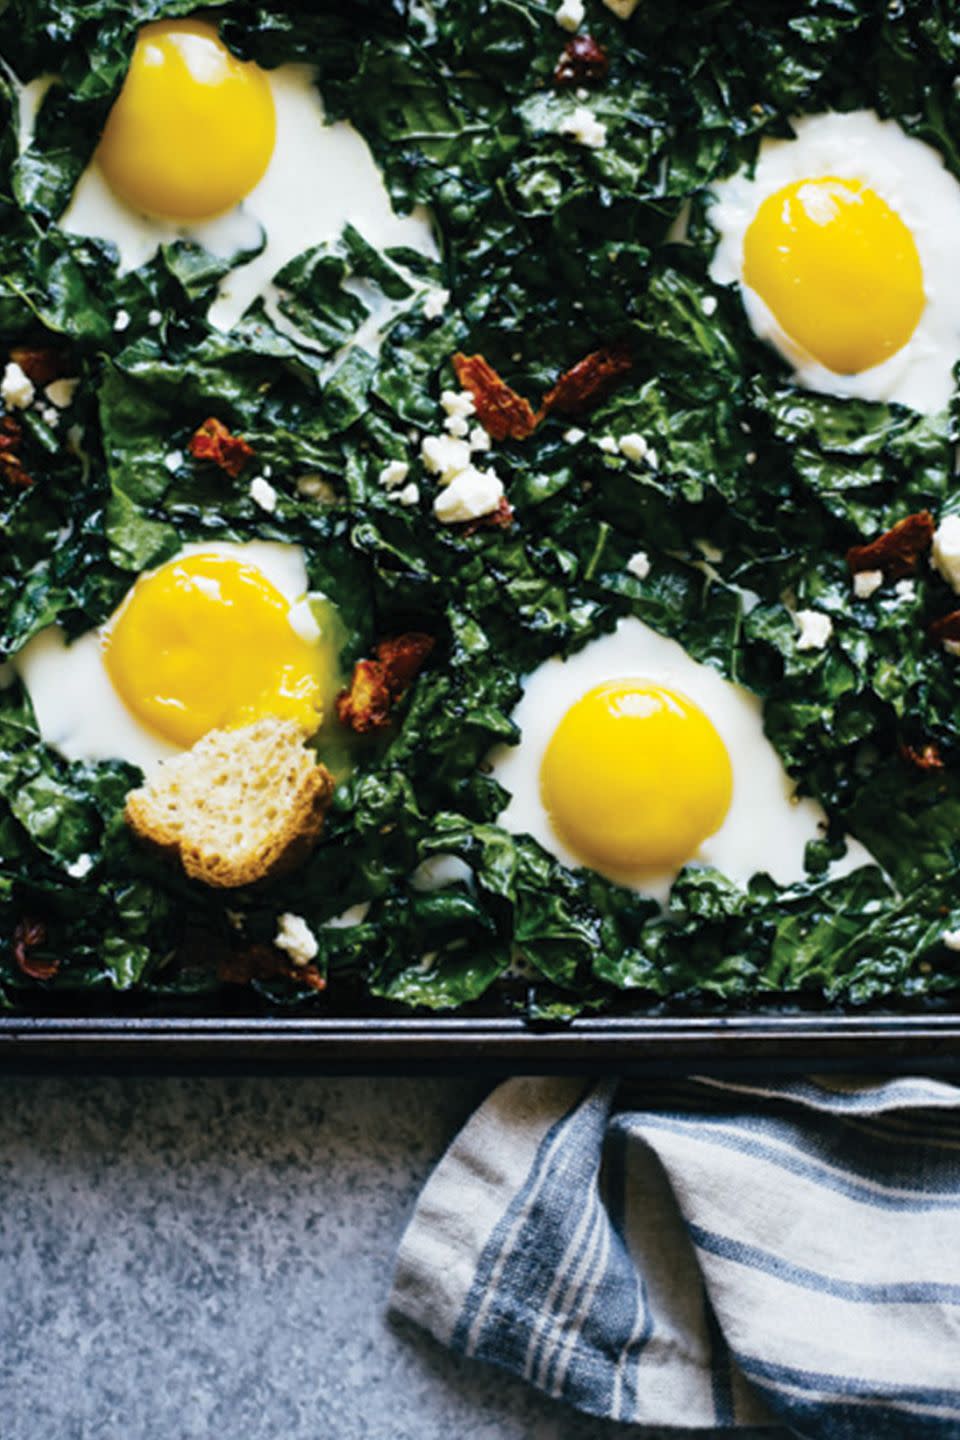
(193, 1257)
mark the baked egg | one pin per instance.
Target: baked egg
(843, 242)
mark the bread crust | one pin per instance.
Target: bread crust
(261, 778)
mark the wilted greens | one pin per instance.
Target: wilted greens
(548, 249)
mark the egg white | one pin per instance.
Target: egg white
(77, 709)
(910, 176)
(319, 178)
(767, 826)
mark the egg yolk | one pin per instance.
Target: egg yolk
(206, 642)
(839, 270)
(193, 128)
(635, 777)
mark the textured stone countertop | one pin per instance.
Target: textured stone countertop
(188, 1257)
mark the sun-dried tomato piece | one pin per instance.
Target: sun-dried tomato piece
(213, 441)
(501, 411)
(11, 466)
(30, 934)
(947, 628)
(40, 363)
(587, 382)
(377, 685)
(583, 61)
(897, 551)
(924, 757)
(266, 962)
(499, 519)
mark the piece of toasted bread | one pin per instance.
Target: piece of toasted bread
(241, 805)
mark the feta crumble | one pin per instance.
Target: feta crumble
(263, 494)
(639, 564)
(951, 938)
(435, 304)
(584, 127)
(478, 439)
(50, 415)
(906, 589)
(574, 435)
(61, 392)
(173, 460)
(16, 388)
(569, 14)
(296, 938)
(394, 474)
(945, 556)
(121, 320)
(634, 447)
(608, 444)
(444, 456)
(409, 495)
(154, 317)
(470, 495)
(315, 487)
(80, 867)
(815, 629)
(709, 305)
(458, 406)
(866, 583)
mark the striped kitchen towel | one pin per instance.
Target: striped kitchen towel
(706, 1253)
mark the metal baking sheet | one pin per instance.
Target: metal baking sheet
(619, 1045)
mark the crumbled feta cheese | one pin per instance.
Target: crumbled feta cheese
(608, 444)
(906, 589)
(315, 487)
(574, 435)
(61, 392)
(639, 564)
(459, 406)
(582, 93)
(50, 415)
(16, 388)
(709, 305)
(80, 867)
(569, 14)
(623, 9)
(121, 320)
(478, 439)
(409, 495)
(295, 936)
(394, 474)
(951, 938)
(263, 494)
(444, 456)
(634, 447)
(470, 495)
(435, 304)
(154, 317)
(173, 460)
(815, 629)
(866, 583)
(751, 457)
(584, 127)
(945, 556)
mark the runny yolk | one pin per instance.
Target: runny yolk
(206, 642)
(839, 270)
(193, 128)
(635, 777)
